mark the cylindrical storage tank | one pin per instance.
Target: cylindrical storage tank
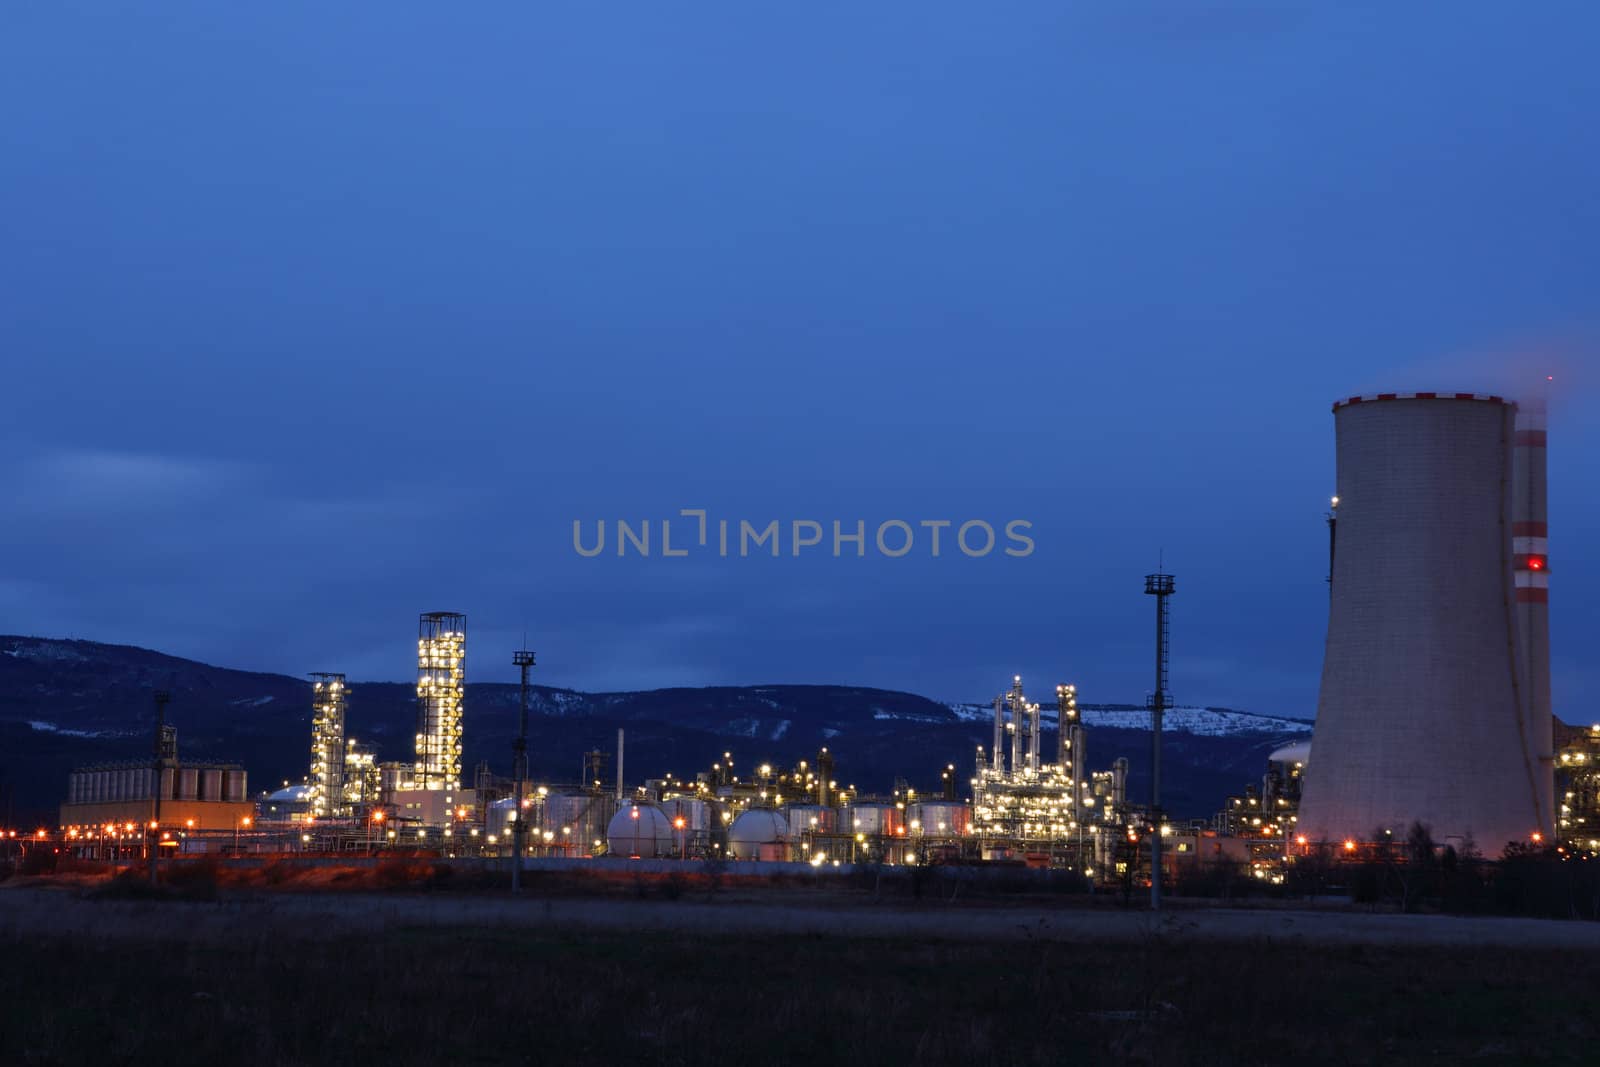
(235, 787)
(211, 784)
(577, 821)
(1428, 712)
(497, 820)
(695, 813)
(759, 834)
(74, 788)
(97, 786)
(188, 783)
(874, 817)
(811, 819)
(940, 818)
(146, 776)
(640, 831)
(169, 781)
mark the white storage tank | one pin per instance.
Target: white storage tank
(577, 821)
(642, 832)
(497, 821)
(760, 834)
(812, 819)
(875, 817)
(940, 818)
(695, 812)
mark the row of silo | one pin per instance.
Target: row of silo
(102, 785)
(106, 785)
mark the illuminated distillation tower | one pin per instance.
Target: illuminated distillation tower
(1025, 738)
(327, 745)
(1070, 754)
(441, 682)
(1034, 804)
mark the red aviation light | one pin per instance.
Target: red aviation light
(1536, 563)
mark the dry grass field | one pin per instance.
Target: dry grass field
(787, 976)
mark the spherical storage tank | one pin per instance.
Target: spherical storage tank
(642, 831)
(1435, 700)
(761, 834)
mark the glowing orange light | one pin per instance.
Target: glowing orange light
(1300, 840)
(1349, 846)
(377, 816)
(678, 822)
(1537, 837)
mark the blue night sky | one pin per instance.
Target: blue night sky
(317, 316)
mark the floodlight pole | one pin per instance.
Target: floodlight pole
(523, 659)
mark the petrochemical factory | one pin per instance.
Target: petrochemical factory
(1438, 641)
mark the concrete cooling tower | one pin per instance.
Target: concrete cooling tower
(1435, 703)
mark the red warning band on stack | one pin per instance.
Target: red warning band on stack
(1370, 398)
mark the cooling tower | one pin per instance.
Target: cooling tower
(1435, 702)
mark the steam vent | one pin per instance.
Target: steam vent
(1435, 703)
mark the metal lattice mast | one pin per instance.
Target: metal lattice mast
(1161, 587)
(519, 770)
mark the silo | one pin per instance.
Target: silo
(1435, 683)
(211, 783)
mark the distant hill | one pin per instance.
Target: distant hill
(63, 703)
